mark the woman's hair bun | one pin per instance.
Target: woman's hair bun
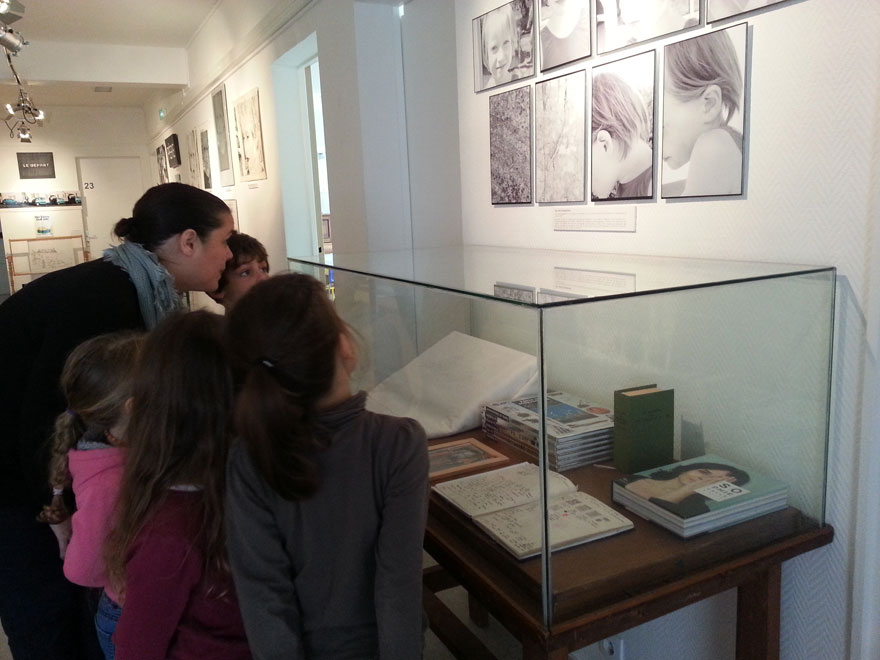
(123, 227)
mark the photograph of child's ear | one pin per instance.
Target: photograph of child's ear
(703, 109)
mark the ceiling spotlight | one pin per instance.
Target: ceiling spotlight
(24, 135)
(11, 40)
(11, 10)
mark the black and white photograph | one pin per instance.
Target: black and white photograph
(560, 123)
(703, 107)
(626, 22)
(721, 9)
(221, 130)
(162, 163)
(622, 129)
(249, 137)
(205, 148)
(504, 44)
(565, 32)
(510, 146)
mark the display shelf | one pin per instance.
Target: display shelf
(746, 347)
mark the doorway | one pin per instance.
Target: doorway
(109, 188)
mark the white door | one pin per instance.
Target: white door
(109, 188)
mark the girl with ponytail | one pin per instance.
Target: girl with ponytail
(88, 455)
(326, 501)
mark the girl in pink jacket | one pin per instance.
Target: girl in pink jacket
(88, 455)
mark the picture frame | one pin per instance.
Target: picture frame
(504, 42)
(172, 151)
(560, 125)
(463, 456)
(517, 292)
(564, 32)
(510, 146)
(709, 162)
(162, 163)
(233, 208)
(194, 161)
(622, 129)
(719, 10)
(221, 132)
(622, 25)
(205, 151)
(249, 137)
(36, 165)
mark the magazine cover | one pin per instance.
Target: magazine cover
(706, 487)
(567, 414)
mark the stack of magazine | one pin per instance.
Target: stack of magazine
(700, 494)
(578, 432)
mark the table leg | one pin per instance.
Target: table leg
(757, 616)
(534, 651)
(478, 614)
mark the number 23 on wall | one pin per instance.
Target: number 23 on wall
(88, 185)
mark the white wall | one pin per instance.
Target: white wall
(812, 198)
(69, 133)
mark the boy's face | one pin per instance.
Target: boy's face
(243, 279)
(499, 48)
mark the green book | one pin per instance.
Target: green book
(643, 428)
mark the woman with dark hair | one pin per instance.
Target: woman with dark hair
(675, 489)
(326, 501)
(174, 242)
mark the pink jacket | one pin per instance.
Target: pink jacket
(96, 477)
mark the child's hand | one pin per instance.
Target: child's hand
(63, 531)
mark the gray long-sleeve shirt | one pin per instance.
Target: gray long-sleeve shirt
(337, 575)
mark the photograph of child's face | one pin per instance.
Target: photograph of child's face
(499, 41)
(503, 44)
(681, 128)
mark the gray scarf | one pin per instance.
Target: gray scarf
(154, 284)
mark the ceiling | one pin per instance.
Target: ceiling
(168, 23)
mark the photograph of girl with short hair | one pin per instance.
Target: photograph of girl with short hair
(622, 129)
(560, 117)
(720, 9)
(627, 22)
(703, 99)
(565, 32)
(504, 41)
(510, 146)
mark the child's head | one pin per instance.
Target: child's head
(178, 433)
(248, 266)
(288, 348)
(701, 92)
(499, 42)
(96, 383)
(619, 120)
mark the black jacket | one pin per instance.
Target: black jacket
(39, 326)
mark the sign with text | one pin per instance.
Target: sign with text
(36, 165)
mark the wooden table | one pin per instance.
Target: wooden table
(608, 586)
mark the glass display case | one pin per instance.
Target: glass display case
(745, 347)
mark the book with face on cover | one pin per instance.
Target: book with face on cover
(506, 503)
(700, 494)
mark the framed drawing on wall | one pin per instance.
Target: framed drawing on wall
(504, 40)
(221, 131)
(703, 114)
(194, 161)
(249, 137)
(205, 150)
(510, 146)
(162, 163)
(560, 106)
(622, 129)
(233, 208)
